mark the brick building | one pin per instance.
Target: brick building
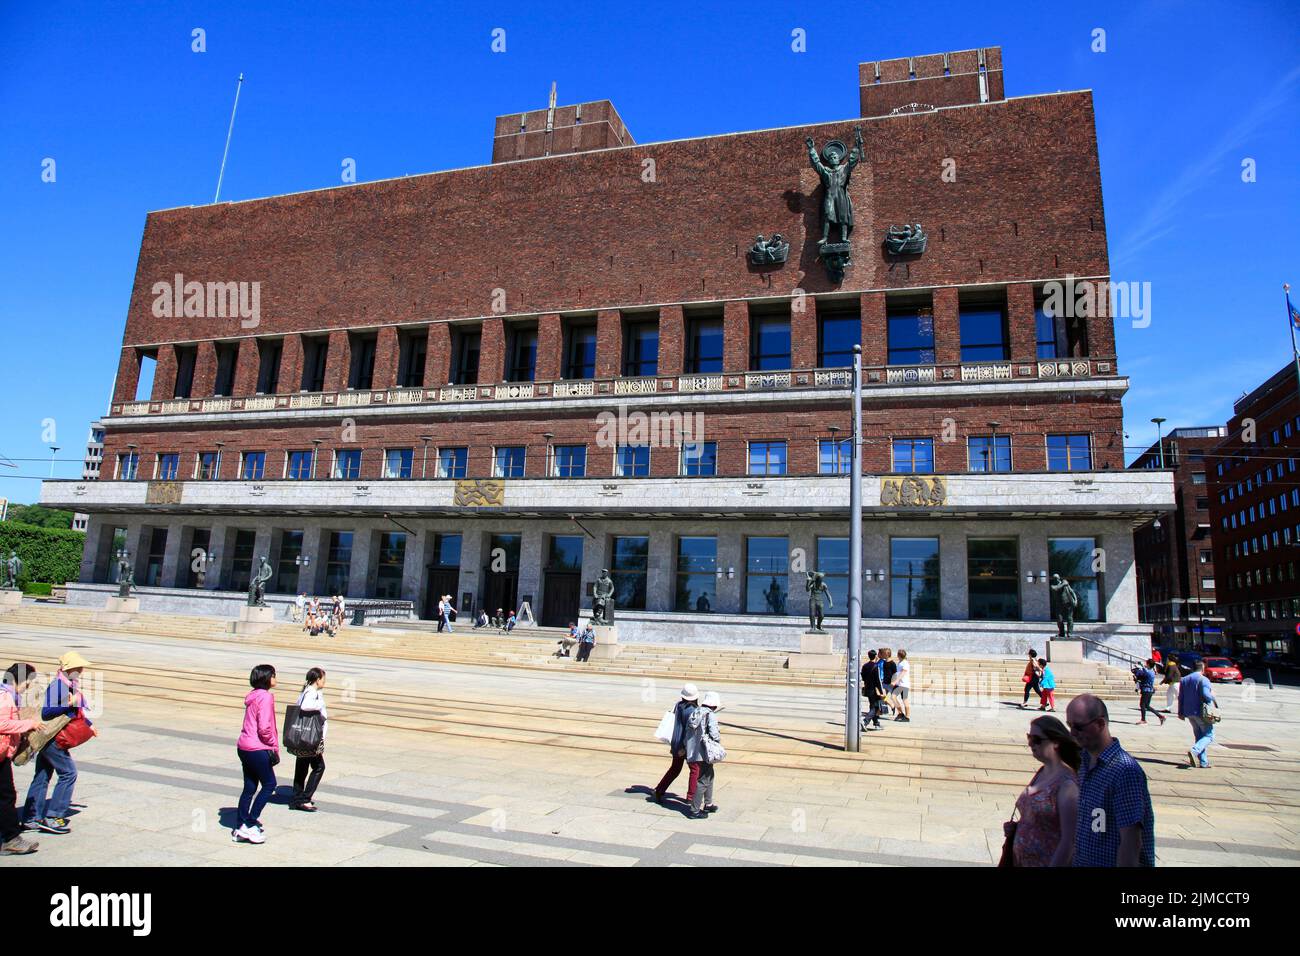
(1175, 561)
(493, 382)
(90, 466)
(1255, 512)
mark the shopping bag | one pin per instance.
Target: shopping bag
(304, 731)
(666, 726)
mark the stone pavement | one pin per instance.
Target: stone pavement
(439, 764)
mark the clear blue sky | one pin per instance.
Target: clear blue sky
(135, 121)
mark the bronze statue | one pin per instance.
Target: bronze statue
(13, 567)
(835, 171)
(125, 576)
(772, 251)
(817, 592)
(602, 599)
(1067, 601)
(257, 586)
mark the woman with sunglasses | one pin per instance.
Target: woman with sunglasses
(1049, 805)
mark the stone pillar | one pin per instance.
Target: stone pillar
(947, 327)
(1036, 598)
(875, 330)
(386, 359)
(312, 580)
(164, 374)
(875, 557)
(803, 332)
(672, 340)
(437, 358)
(205, 370)
(138, 534)
(1022, 325)
(1101, 327)
(413, 568)
(594, 557)
(660, 584)
(128, 376)
(95, 553)
(471, 567)
(248, 362)
(801, 536)
(609, 343)
(531, 555)
(365, 556)
(735, 337)
(492, 352)
(337, 361)
(176, 559)
(290, 365)
(731, 554)
(954, 601)
(1119, 581)
(221, 554)
(550, 347)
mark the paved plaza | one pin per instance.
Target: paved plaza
(441, 764)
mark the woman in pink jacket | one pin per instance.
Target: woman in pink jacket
(12, 728)
(259, 751)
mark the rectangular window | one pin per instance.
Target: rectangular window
(299, 465)
(168, 466)
(569, 461)
(392, 559)
(252, 466)
(837, 333)
(286, 577)
(700, 459)
(833, 561)
(268, 365)
(988, 452)
(580, 355)
(127, 466)
(523, 355)
(413, 350)
(983, 331)
(632, 461)
(452, 462)
(697, 567)
(315, 352)
(207, 466)
(227, 357)
(993, 579)
(397, 462)
(914, 577)
(564, 553)
(508, 462)
(466, 346)
(914, 455)
(361, 370)
(1050, 335)
(1069, 453)
(767, 569)
(241, 564)
(641, 348)
(704, 345)
(446, 550)
(834, 457)
(338, 562)
(911, 335)
(628, 569)
(769, 342)
(767, 458)
(1072, 559)
(347, 463)
(154, 559)
(186, 356)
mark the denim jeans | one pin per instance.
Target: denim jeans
(1204, 730)
(52, 759)
(257, 770)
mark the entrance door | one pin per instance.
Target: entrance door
(500, 590)
(560, 601)
(441, 581)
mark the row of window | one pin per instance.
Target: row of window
(1275, 438)
(1265, 509)
(1264, 476)
(697, 459)
(1258, 576)
(982, 330)
(1264, 610)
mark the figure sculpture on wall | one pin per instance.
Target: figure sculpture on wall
(125, 576)
(257, 584)
(818, 593)
(835, 170)
(1067, 602)
(602, 600)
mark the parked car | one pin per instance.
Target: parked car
(1222, 669)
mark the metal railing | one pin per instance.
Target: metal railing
(379, 609)
(1128, 661)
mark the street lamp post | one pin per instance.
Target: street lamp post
(54, 450)
(1160, 441)
(853, 697)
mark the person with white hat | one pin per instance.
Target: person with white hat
(62, 698)
(703, 750)
(677, 745)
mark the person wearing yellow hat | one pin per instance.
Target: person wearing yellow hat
(62, 698)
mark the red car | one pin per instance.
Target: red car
(1222, 669)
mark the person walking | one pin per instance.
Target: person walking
(1145, 678)
(1049, 805)
(1173, 674)
(1030, 678)
(299, 603)
(1046, 686)
(442, 613)
(12, 727)
(447, 612)
(902, 685)
(62, 698)
(703, 728)
(259, 751)
(889, 668)
(311, 700)
(1195, 694)
(682, 712)
(1115, 825)
(586, 641)
(873, 687)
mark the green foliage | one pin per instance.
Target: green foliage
(49, 555)
(40, 517)
(38, 589)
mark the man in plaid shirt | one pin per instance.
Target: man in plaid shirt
(1116, 825)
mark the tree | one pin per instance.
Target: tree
(39, 516)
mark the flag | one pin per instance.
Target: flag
(1293, 312)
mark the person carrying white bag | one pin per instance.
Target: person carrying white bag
(672, 730)
(704, 750)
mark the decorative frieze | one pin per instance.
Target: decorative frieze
(833, 378)
(985, 372)
(699, 383)
(348, 399)
(913, 492)
(458, 393)
(758, 380)
(909, 374)
(570, 389)
(310, 400)
(179, 405)
(635, 386)
(260, 403)
(480, 492)
(217, 404)
(135, 408)
(405, 396)
(515, 390)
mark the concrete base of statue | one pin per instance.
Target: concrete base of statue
(1066, 655)
(607, 647)
(816, 653)
(10, 598)
(117, 610)
(253, 620)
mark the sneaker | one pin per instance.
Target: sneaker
(250, 834)
(1191, 759)
(1162, 719)
(18, 846)
(308, 807)
(711, 808)
(53, 825)
(1141, 722)
(696, 815)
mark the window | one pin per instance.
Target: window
(704, 345)
(452, 462)
(287, 568)
(700, 459)
(127, 465)
(914, 455)
(523, 355)
(769, 342)
(1202, 504)
(628, 569)
(983, 331)
(392, 559)
(697, 566)
(1051, 335)
(252, 467)
(227, 356)
(767, 458)
(767, 568)
(580, 356)
(206, 469)
(1072, 559)
(833, 561)
(299, 465)
(914, 577)
(988, 452)
(632, 461)
(154, 559)
(834, 457)
(466, 349)
(413, 349)
(241, 565)
(993, 579)
(1207, 584)
(186, 355)
(570, 461)
(837, 333)
(361, 370)
(911, 335)
(268, 365)
(1069, 453)
(508, 462)
(446, 550)
(641, 348)
(168, 465)
(315, 351)
(397, 462)
(564, 553)
(347, 463)
(338, 562)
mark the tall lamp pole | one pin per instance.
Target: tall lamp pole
(853, 695)
(1160, 439)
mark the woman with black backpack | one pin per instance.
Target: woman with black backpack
(310, 701)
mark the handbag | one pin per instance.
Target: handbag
(1008, 858)
(304, 730)
(36, 740)
(714, 752)
(664, 731)
(1211, 713)
(76, 733)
